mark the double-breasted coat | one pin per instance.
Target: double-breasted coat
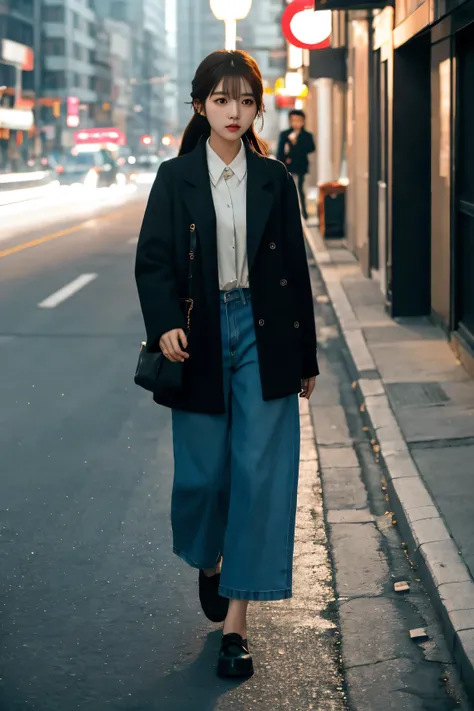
(281, 295)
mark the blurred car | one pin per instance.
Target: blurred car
(144, 168)
(94, 169)
(125, 164)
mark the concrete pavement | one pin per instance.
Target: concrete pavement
(420, 407)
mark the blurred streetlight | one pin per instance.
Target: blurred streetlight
(230, 11)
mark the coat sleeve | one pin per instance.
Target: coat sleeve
(295, 253)
(155, 272)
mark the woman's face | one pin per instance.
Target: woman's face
(230, 117)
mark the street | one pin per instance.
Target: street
(96, 611)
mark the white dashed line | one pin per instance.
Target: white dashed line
(69, 290)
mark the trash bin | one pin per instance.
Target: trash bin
(332, 209)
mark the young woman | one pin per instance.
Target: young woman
(250, 350)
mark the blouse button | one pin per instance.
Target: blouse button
(283, 282)
(296, 324)
(261, 322)
(272, 245)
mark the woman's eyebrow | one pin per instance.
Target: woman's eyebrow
(224, 93)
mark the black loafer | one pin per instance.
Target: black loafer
(234, 658)
(214, 606)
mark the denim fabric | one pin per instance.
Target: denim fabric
(236, 475)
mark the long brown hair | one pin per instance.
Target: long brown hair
(231, 67)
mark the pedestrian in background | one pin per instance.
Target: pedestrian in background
(294, 147)
(249, 352)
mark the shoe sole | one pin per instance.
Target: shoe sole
(234, 668)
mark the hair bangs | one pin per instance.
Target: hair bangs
(232, 86)
(232, 73)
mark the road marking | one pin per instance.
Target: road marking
(40, 240)
(61, 233)
(67, 291)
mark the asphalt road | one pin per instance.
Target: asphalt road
(95, 610)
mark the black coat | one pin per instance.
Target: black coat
(280, 286)
(298, 153)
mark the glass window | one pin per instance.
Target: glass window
(53, 13)
(54, 47)
(55, 80)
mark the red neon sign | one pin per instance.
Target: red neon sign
(322, 32)
(87, 136)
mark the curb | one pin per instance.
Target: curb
(429, 543)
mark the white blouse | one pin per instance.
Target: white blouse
(229, 194)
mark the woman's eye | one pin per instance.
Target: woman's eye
(220, 101)
(248, 102)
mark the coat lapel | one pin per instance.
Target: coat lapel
(198, 198)
(259, 202)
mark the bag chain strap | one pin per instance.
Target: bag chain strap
(192, 254)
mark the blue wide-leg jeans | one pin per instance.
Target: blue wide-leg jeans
(236, 475)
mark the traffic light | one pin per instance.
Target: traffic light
(146, 140)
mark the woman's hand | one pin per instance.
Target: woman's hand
(172, 343)
(307, 387)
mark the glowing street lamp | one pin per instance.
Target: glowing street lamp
(230, 11)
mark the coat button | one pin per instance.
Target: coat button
(283, 282)
(261, 322)
(272, 245)
(296, 324)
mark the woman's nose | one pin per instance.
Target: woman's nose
(234, 109)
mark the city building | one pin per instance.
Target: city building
(19, 76)
(148, 64)
(73, 67)
(198, 34)
(408, 113)
(171, 84)
(120, 58)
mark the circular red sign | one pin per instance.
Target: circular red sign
(290, 11)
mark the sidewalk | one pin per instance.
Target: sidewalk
(420, 405)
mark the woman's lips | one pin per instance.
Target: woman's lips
(233, 128)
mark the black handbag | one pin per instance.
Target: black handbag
(154, 371)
